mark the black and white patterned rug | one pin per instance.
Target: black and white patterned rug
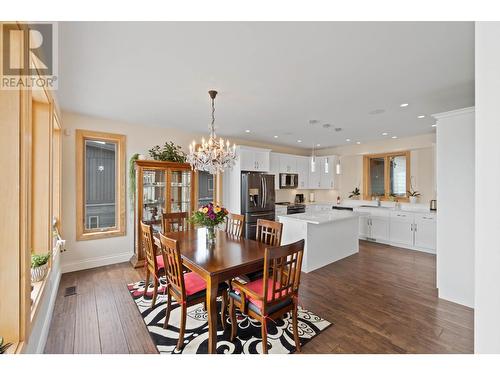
(249, 339)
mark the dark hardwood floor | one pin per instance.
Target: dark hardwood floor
(381, 300)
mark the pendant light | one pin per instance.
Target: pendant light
(313, 161)
(214, 155)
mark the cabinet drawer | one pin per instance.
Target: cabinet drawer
(402, 216)
(425, 217)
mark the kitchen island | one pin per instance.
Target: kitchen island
(329, 236)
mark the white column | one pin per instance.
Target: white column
(487, 244)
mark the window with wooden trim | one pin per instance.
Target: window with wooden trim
(386, 176)
(100, 187)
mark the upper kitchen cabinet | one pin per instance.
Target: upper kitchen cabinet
(274, 168)
(315, 173)
(288, 163)
(303, 166)
(327, 178)
(253, 159)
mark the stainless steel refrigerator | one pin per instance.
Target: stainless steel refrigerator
(257, 199)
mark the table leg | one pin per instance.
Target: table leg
(212, 287)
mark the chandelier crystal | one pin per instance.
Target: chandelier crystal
(214, 155)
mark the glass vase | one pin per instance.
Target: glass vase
(211, 235)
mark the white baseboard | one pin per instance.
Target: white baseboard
(95, 262)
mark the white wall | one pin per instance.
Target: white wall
(487, 298)
(140, 138)
(455, 215)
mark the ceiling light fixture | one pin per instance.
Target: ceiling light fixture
(247, 131)
(358, 142)
(403, 105)
(420, 116)
(348, 140)
(434, 125)
(275, 136)
(313, 161)
(337, 167)
(385, 133)
(299, 140)
(212, 156)
(394, 137)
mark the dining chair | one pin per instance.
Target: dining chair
(268, 232)
(235, 224)
(174, 222)
(274, 294)
(187, 289)
(153, 263)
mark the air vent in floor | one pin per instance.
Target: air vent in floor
(70, 291)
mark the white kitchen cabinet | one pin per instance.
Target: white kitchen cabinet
(288, 163)
(425, 232)
(401, 229)
(364, 226)
(314, 176)
(379, 227)
(303, 166)
(326, 172)
(253, 159)
(274, 168)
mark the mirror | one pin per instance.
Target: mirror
(397, 174)
(377, 176)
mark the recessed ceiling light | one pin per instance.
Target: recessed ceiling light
(403, 105)
(317, 145)
(299, 140)
(420, 116)
(348, 140)
(377, 111)
(275, 136)
(385, 133)
(247, 131)
(434, 125)
(394, 137)
(358, 142)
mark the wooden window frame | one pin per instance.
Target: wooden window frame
(386, 156)
(120, 229)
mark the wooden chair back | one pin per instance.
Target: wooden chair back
(174, 222)
(172, 261)
(284, 264)
(149, 247)
(269, 232)
(234, 224)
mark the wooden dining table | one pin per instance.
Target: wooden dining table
(229, 257)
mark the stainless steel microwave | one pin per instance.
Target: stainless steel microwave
(289, 180)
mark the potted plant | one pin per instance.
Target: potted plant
(413, 194)
(169, 152)
(39, 266)
(355, 194)
(4, 347)
(209, 216)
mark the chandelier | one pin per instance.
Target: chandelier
(214, 155)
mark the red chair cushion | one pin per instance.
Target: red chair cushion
(159, 262)
(193, 283)
(257, 287)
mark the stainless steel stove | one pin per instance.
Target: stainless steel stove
(293, 208)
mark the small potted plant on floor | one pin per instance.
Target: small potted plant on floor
(39, 266)
(355, 194)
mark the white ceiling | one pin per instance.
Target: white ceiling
(272, 78)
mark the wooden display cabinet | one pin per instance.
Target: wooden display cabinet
(160, 187)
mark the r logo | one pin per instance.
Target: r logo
(37, 58)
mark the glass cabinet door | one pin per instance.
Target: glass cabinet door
(180, 191)
(154, 192)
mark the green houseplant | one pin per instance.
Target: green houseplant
(4, 346)
(169, 152)
(39, 266)
(355, 193)
(413, 194)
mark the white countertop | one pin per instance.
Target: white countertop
(351, 203)
(322, 217)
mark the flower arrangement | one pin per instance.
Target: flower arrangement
(209, 215)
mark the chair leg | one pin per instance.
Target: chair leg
(223, 310)
(295, 327)
(264, 335)
(146, 283)
(180, 342)
(234, 321)
(155, 290)
(167, 310)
